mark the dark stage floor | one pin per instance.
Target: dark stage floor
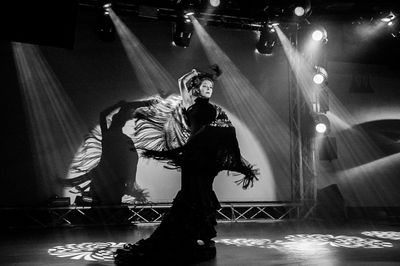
(279, 243)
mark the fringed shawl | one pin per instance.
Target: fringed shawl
(161, 132)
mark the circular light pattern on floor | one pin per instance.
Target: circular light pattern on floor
(245, 242)
(299, 244)
(359, 242)
(315, 238)
(90, 251)
(383, 234)
(312, 242)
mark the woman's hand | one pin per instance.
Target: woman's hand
(188, 75)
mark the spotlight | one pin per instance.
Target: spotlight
(388, 17)
(107, 6)
(299, 11)
(188, 13)
(320, 35)
(106, 27)
(267, 40)
(186, 8)
(182, 32)
(391, 19)
(320, 75)
(302, 8)
(215, 3)
(320, 127)
(322, 124)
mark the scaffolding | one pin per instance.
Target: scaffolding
(68, 216)
(302, 148)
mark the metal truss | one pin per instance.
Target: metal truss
(137, 214)
(302, 147)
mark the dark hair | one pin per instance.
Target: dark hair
(196, 81)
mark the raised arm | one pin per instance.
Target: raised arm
(182, 82)
(106, 112)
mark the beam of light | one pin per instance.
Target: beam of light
(55, 127)
(369, 31)
(339, 124)
(247, 102)
(302, 69)
(152, 76)
(377, 167)
(315, 40)
(355, 145)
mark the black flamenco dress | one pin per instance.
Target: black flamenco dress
(211, 148)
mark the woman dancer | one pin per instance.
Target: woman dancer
(186, 231)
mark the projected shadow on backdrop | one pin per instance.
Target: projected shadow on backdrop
(154, 181)
(114, 154)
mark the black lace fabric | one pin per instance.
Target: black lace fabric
(214, 146)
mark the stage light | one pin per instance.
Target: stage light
(186, 8)
(267, 40)
(188, 13)
(320, 128)
(299, 11)
(392, 22)
(215, 3)
(182, 32)
(320, 75)
(106, 27)
(107, 6)
(318, 78)
(388, 17)
(302, 8)
(322, 124)
(320, 35)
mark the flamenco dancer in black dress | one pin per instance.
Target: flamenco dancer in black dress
(186, 231)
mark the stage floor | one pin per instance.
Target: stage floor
(256, 243)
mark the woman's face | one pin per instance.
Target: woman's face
(206, 88)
